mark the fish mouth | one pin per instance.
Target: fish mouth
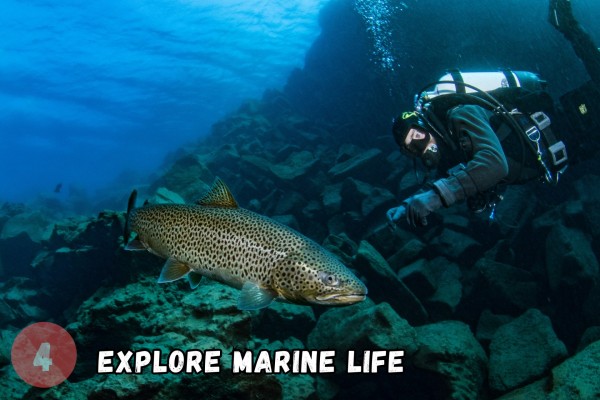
(340, 298)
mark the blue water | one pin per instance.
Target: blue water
(90, 90)
(97, 92)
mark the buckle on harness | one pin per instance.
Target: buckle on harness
(558, 152)
(541, 120)
(533, 133)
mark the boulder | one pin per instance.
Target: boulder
(523, 350)
(166, 196)
(289, 320)
(384, 284)
(35, 224)
(448, 289)
(591, 335)
(17, 253)
(364, 326)
(293, 386)
(575, 378)
(332, 198)
(288, 220)
(570, 260)
(357, 165)
(407, 254)
(502, 288)
(418, 278)
(23, 301)
(342, 246)
(296, 165)
(377, 202)
(488, 324)
(7, 338)
(456, 246)
(450, 349)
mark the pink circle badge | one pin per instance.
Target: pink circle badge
(44, 354)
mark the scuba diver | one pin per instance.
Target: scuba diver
(484, 137)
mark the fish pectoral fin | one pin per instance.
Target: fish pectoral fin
(173, 270)
(194, 279)
(253, 297)
(135, 245)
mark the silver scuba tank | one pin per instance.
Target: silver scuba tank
(485, 81)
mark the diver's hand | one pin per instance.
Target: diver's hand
(419, 206)
(394, 214)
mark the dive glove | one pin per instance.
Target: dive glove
(416, 208)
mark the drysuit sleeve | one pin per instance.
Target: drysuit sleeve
(488, 164)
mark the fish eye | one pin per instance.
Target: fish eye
(329, 279)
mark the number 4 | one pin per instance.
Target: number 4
(42, 357)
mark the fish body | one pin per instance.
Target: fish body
(218, 239)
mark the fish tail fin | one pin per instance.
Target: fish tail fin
(130, 206)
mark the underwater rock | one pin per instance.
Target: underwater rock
(296, 165)
(590, 306)
(358, 165)
(591, 335)
(488, 324)
(7, 337)
(16, 255)
(22, 302)
(293, 386)
(35, 224)
(587, 188)
(456, 246)
(384, 284)
(145, 314)
(450, 349)
(290, 320)
(280, 202)
(418, 278)
(189, 176)
(448, 289)
(88, 252)
(378, 201)
(332, 198)
(523, 350)
(408, 253)
(367, 199)
(364, 326)
(288, 220)
(570, 259)
(502, 288)
(166, 196)
(575, 378)
(342, 246)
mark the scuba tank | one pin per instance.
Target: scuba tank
(454, 82)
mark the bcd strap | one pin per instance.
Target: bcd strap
(458, 78)
(510, 78)
(551, 153)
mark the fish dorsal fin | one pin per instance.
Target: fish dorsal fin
(254, 298)
(173, 270)
(218, 196)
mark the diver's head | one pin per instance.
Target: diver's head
(414, 139)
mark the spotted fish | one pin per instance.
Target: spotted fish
(220, 240)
